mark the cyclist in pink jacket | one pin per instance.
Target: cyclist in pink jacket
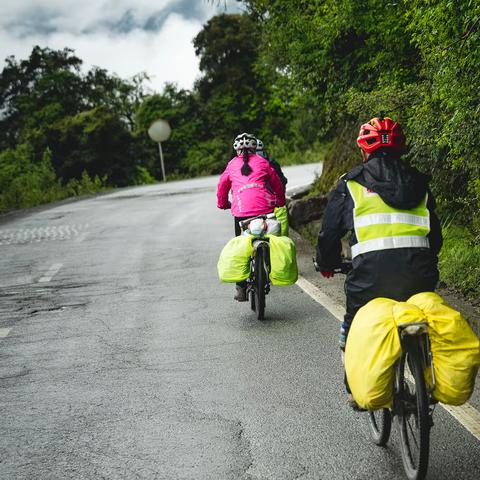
(255, 185)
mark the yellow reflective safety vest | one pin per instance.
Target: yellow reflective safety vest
(380, 227)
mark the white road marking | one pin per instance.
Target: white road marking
(81, 237)
(467, 415)
(40, 234)
(337, 310)
(4, 332)
(53, 270)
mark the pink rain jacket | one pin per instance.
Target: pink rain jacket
(256, 194)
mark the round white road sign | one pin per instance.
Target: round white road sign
(159, 131)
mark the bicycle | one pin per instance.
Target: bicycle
(258, 283)
(413, 402)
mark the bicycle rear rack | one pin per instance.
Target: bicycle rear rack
(413, 328)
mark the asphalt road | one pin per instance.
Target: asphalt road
(123, 357)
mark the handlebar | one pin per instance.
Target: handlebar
(344, 267)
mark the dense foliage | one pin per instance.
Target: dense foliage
(416, 60)
(298, 73)
(63, 132)
(233, 94)
(60, 127)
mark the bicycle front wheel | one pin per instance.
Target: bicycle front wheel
(413, 412)
(380, 422)
(260, 283)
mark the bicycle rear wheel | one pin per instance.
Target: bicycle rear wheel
(380, 422)
(260, 282)
(413, 412)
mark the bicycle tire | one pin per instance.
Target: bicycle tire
(380, 422)
(260, 282)
(413, 405)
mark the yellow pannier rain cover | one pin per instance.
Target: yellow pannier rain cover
(455, 349)
(283, 261)
(373, 346)
(281, 214)
(234, 262)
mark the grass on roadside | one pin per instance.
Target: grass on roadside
(459, 261)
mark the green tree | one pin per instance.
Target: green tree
(419, 61)
(180, 108)
(95, 141)
(230, 97)
(85, 120)
(231, 94)
(38, 91)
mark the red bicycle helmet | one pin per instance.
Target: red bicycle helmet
(380, 132)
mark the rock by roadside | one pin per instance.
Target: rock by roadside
(303, 211)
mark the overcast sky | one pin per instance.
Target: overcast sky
(123, 36)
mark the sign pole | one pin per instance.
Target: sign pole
(159, 131)
(161, 161)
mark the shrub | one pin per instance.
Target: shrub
(24, 183)
(207, 158)
(459, 261)
(86, 185)
(142, 176)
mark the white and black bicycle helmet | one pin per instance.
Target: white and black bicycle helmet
(259, 145)
(245, 141)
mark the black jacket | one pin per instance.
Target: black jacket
(276, 166)
(399, 186)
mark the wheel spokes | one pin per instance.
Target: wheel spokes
(412, 431)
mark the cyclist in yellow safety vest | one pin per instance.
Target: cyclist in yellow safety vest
(388, 209)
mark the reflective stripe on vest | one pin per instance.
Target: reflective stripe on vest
(389, 242)
(379, 218)
(379, 226)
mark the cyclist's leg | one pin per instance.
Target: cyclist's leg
(236, 223)
(353, 305)
(357, 296)
(241, 287)
(357, 293)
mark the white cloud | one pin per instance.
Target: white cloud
(112, 34)
(76, 16)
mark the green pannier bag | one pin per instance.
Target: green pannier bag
(283, 261)
(234, 262)
(281, 214)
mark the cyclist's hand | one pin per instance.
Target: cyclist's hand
(227, 206)
(327, 273)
